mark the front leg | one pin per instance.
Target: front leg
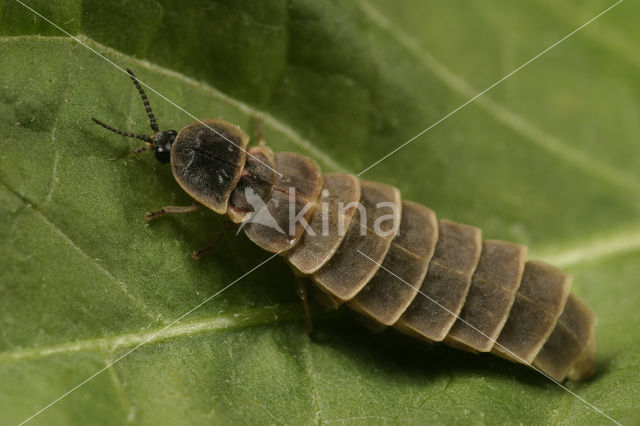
(172, 210)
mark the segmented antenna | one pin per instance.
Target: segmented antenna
(123, 133)
(145, 101)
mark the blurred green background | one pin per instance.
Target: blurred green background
(549, 158)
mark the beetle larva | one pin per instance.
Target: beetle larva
(397, 264)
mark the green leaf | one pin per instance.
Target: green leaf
(548, 158)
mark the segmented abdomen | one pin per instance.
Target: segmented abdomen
(435, 280)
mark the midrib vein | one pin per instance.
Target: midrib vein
(624, 241)
(231, 321)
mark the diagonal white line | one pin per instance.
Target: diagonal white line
(495, 342)
(148, 87)
(490, 87)
(145, 341)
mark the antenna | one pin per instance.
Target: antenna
(123, 133)
(145, 101)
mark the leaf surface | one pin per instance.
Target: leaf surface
(549, 158)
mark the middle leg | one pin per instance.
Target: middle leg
(301, 291)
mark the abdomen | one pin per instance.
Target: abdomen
(401, 267)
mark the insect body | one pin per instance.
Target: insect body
(397, 264)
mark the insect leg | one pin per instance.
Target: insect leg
(173, 209)
(147, 147)
(301, 290)
(198, 253)
(257, 123)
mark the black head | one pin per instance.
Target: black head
(160, 142)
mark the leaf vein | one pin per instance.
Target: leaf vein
(609, 37)
(308, 364)
(122, 396)
(265, 117)
(233, 321)
(617, 243)
(509, 119)
(121, 285)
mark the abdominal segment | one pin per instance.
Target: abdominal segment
(395, 263)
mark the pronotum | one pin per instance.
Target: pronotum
(388, 259)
